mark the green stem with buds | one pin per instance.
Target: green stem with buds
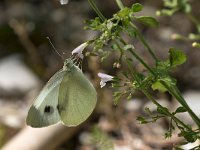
(142, 39)
(172, 90)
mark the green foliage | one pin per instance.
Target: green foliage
(189, 136)
(180, 110)
(159, 86)
(176, 57)
(136, 7)
(157, 77)
(149, 21)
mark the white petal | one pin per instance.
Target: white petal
(102, 84)
(104, 78)
(63, 2)
(79, 50)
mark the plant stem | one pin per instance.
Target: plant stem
(173, 90)
(120, 4)
(96, 9)
(138, 57)
(164, 110)
(142, 39)
(141, 61)
(133, 74)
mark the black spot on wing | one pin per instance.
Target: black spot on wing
(48, 109)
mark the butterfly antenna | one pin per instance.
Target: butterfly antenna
(55, 48)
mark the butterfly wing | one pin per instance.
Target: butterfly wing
(77, 98)
(44, 110)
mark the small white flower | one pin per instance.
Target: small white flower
(63, 2)
(80, 49)
(104, 78)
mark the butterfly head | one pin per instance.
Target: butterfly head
(68, 63)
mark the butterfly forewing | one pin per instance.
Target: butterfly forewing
(77, 98)
(44, 111)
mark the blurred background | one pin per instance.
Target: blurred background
(27, 61)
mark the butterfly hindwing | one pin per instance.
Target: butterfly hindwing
(44, 111)
(77, 97)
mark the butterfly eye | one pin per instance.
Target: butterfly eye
(48, 109)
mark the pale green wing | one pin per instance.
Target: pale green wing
(44, 110)
(77, 98)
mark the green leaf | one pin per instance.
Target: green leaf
(189, 136)
(137, 7)
(176, 57)
(130, 31)
(158, 86)
(122, 14)
(180, 110)
(162, 110)
(150, 21)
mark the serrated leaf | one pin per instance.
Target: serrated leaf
(137, 7)
(150, 21)
(176, 57)
(180, 110)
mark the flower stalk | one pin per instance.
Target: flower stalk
(96, 9)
